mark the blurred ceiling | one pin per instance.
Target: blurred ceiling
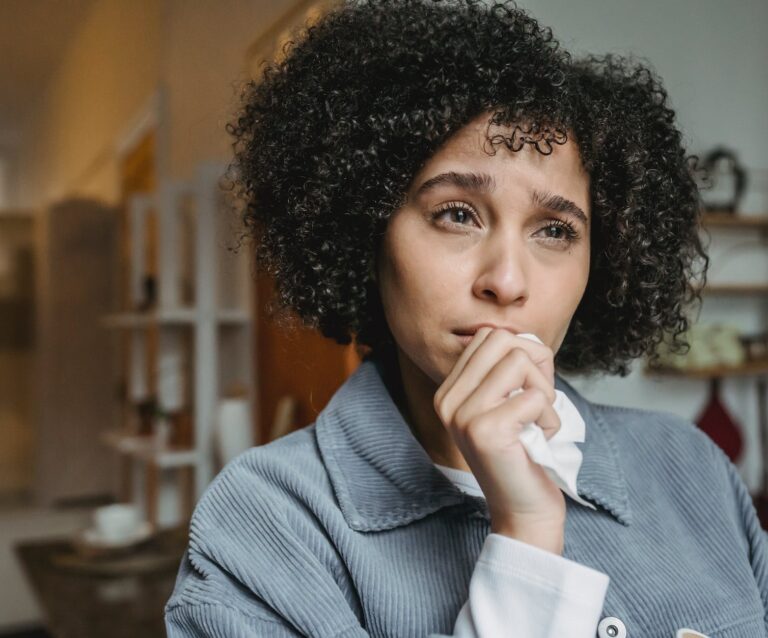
(33, 35)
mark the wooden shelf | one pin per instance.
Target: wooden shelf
(735, 289)
(748, 368)
(194, 340)
(234, 317)
(146, 448)
(728, 220)
(177, 317)
(182, 316)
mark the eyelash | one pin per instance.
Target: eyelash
(571, 233)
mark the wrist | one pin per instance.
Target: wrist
(549, 537)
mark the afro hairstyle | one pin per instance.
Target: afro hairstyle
(328, 139)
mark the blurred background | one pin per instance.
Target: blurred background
(136, 355)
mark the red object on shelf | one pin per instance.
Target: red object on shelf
(719, 425)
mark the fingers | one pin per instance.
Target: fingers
(514, 370)
(458, 367)
(541, 355)
(481, 355)
(530, 406)
(501, 426)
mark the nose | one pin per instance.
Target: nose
(503, 272)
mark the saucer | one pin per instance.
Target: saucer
(93, 538)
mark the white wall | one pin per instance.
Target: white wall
(712, 56)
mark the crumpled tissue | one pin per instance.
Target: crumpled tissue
(559, 456)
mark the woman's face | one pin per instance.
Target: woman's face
(485, 239)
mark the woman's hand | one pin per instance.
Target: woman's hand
(472, 403)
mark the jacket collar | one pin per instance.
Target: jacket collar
(383, 478)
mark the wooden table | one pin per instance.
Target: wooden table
(117, 597)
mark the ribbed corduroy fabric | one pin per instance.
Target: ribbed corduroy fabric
(346, 529)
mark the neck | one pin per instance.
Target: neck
(413, 392)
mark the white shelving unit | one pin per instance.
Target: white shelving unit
(204, 287)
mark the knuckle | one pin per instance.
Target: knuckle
(537, 396)
(506, 336)
(461, 418)
(475, 428)
(518, 356)
(437, 403)
(500, 335)
(443, 408)
(549, 432)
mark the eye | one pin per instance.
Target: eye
(560, 232)
(461, 213)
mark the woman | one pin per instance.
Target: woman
(479, 211)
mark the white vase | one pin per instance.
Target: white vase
(234, 428)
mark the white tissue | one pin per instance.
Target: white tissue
(559, 456)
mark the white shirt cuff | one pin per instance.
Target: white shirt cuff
(538, 593)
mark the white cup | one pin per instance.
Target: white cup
(118, 522)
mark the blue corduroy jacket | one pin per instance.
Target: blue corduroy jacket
(346, 529)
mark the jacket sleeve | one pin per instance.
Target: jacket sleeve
(197, 610)
(755, 536)
(258, 565)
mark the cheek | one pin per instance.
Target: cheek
(418, 289)
(411, 288)
(435, 285)
(576, 281)
(564, 288)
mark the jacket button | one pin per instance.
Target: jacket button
(611, 628)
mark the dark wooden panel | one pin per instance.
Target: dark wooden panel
(298, 362)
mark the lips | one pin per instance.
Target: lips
(471, 330)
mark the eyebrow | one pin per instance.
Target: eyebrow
(482, 183)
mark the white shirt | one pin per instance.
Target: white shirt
(523, 589)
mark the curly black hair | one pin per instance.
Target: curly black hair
(328, 139)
